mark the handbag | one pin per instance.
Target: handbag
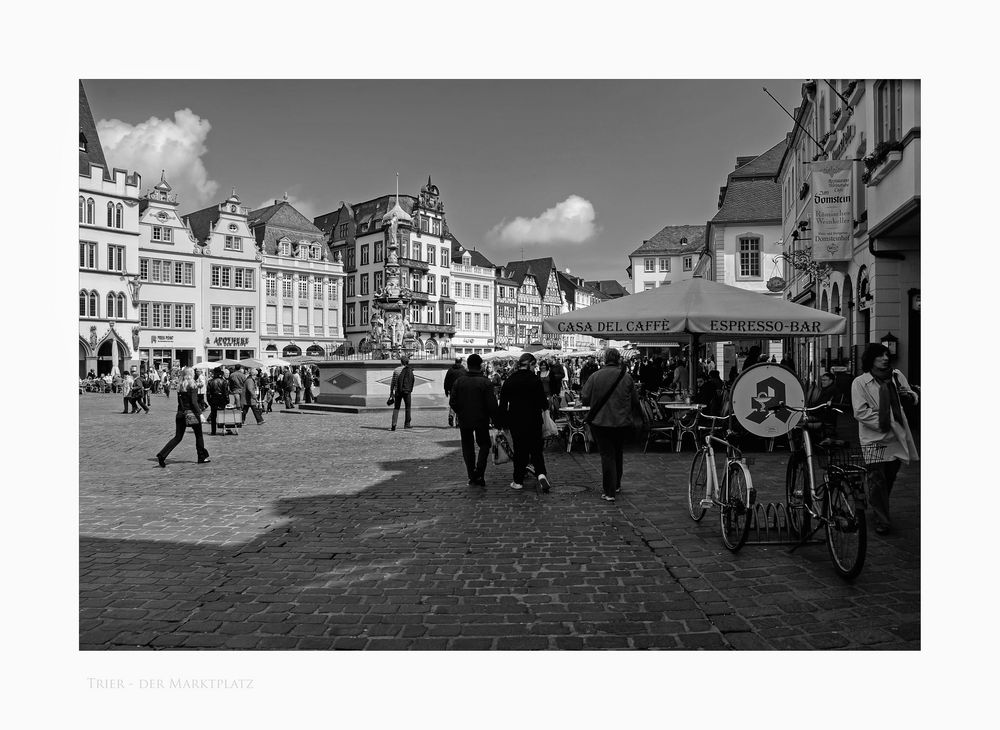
(391, 401)
(500, 449)
(595, 409)
(549, 427)
(191, 418)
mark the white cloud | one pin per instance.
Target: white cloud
(175, 145)
(571, 221)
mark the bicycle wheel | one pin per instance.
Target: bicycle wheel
(846, 529)
(697, 483)
(796, 487)
(735, 513)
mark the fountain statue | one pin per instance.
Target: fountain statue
(389, 329)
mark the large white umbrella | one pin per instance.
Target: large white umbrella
(274, 362)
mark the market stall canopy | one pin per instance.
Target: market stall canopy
(251, 362)
(696, 306)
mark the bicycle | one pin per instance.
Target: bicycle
(734, 496)
(840, 497)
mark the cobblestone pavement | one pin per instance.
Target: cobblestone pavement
(330, 532)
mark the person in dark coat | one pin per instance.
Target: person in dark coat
(474, 403)
(400, 391)
(250, 398)
(522, 401)
(612, 423)
(454, 373)
(588, 369)
(217, 394)
(187, 402)
(287, 387)
(236, 380)
(557, 374)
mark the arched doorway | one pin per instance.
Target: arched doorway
(430, 348)
(315, 351)
(109, 357)
(864, 309)
(83, 361)
(291, 351)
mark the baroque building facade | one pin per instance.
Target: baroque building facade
(109, 256)
(473, 289)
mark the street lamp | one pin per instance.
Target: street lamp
(889, 341)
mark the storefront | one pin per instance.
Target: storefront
(230, 348)
(168, 351)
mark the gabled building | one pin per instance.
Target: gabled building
(473, 289)
(743, 240)
(109, 256)
(302, 283)
(576, 295)
(171, 332)
(506, 308)
(538, 296)
(358, 234)
(230, 273)
(669, 256)
(608, 289)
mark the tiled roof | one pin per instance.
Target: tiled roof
(751, 193)
(88, 129)
(669, 241)
(539, 268)
(608, 288)
(765, 165)
(478, 259)
(375, 208)
(201, 221)
(274, 222)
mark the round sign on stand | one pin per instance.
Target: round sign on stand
(763, 386)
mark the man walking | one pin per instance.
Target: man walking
(473, 402)
(400, 391)
(287, 386)
(454, 373)
(557, 373)
(236, 381)
(250, 398)
(522, 400)
(217, 394)
(297, 384)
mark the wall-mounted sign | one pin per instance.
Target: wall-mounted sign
(232, 341)
(161, 338)
(833, 210)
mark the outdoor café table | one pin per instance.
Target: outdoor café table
(677, 410)
(575, 416)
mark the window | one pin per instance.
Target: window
(486, 292)
(521, 332)
(350, 315)
(216, 316)
(468, 320)
(436, 227)
(189, 274)
(377, 282)
(888, 111)
(444, 286)
(90, 211)
(303, 251)
(342, 231)
(364, 312)
(156, 270)
(468, 290)
(216, 273)
(233, 243)
(415, 251)
(226, 276)
(286, 287)
(534, 311)
(83, 303)
(88, 255)
(364, 254)
(225, 322)
(475, 289)
(156, 313)
(479, 321)
(248, 318)
(749, 258)
(486, 322)
(178, 316)
(303, 289)
(318, 289)
(648, 285)
(349, 257)
(686, 263)
(161, 233)
(111, 215)
(378, 252)
(665, 282)
(523, 310)
(431, 315)
(415, 313)
(364, 289)
(664, 264)
(431, 254)
(111, 305)
(167, 269)
(445, 253)
(238, 278)
(83, 206)
(119, 211)
(166, 316)
(314, 252)
(270, 284)
(331, 290)
(414, 282)
(350, 286)
(143, 314)
(286, 248)
(431, 284)
(116, 258)
(447, 316)
(238, 319)
(649, 264)
(178, 273)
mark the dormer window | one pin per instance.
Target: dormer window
(303, 251)
(286, 248)
(315, 252)
(684, 241)
(83, 142)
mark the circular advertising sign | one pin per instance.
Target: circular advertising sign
(761, 387)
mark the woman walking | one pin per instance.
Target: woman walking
(611, 395)
(188, 414)
(877, 397)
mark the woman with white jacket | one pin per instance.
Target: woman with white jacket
(878, 396)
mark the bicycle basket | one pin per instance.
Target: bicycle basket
(856, 457)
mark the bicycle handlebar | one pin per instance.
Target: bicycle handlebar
(821, 406)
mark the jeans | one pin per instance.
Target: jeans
(610, 444)
(256, 412)
(527, 448)
(288, 398)
(134, 402)
(882, 476)
(199, 440)
(401, 398)
(298, 393)
(213, 417)
(470, 437)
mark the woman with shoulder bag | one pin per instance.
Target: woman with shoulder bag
(612, 396)
(188, 414)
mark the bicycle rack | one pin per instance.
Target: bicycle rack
(769, 525)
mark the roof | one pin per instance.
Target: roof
(94, 154)
(277, 221)
(608, 287)
(478, 259)
(750, 200)
(538, 268)
(202, 221)
(764, 165)
(374, 209)
(675, 240)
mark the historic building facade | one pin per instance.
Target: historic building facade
(668, 257)
(301, 284)
(473, 289)
(170, 279)
(538, 296)
(874, 126)
(576, 295)
(109, 256)
(506, 308)
(230, 277)
(359, 235)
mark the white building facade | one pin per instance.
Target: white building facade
(109, 256)
(473, 289)
(669, 256)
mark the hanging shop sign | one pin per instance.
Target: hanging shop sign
(833, 210)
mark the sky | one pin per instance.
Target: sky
(580, 170)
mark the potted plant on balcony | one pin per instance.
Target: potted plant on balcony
(881, 160)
